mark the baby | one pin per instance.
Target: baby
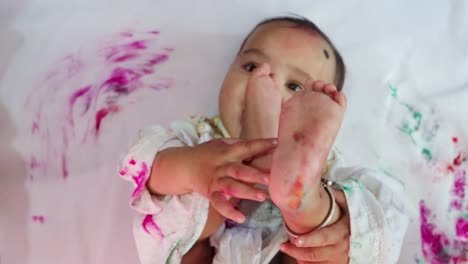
(280, 110)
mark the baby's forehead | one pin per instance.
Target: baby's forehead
(301, 47)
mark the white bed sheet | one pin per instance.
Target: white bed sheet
(61, 200)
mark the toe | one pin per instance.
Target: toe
(329, 89)
(261, 70)
(308, 84)
(318, 86)
(340, 98)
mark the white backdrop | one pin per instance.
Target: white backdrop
(79, 78)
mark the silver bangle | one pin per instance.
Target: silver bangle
(326, 184)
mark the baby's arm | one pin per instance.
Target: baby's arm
(168, 226)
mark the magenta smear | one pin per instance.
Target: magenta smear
(64, 167)
(126, 57)
(149, 224)
(38, 218)
(140, 180)
(459, 184)
(432, 241)
(35, 127)
(132, 162)
(461, 228)
(97, 82)
(436, 246)
(158, 59)
(33, 164)
(126, 34)
(79, 93)
(139, 45)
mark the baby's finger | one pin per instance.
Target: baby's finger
(220, 204)
(237, 189)
(244, 173)
(249, 148)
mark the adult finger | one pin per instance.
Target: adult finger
(220, 204)
(233, 188)
(329, 235)
(249, 148)
(314, 254)
(244, 173)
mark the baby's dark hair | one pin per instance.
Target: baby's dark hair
(303, 22)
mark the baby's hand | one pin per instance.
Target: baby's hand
(219, 172)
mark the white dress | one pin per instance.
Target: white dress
(166, 227)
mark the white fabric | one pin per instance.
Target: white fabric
(378, 220)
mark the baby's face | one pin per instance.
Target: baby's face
(294, 55)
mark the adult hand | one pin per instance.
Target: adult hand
(327, 245)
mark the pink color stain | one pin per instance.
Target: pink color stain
(461, 228)
(139, 45)
(35, 127)
(126, 57)
(154, 32)
(132, 162)
(459, 160)
(433, 242)
(149, 224)
(126, 34)
(103, 113)
(455, 140)
(33, 164)
(459, 184)
(95, 82)
(436, 246)
(38, 218)
(64, 167)
(140, 179)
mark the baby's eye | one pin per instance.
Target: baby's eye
(249, 67)
(294, 87)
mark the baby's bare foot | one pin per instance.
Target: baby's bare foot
(260, 118)
(309, 123)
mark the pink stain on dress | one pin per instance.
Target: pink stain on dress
(149, 225)
(140, 179)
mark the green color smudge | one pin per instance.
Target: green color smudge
(169, 258)
(393, 90)
(356, 245)
(427, 153)
(346, 188)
